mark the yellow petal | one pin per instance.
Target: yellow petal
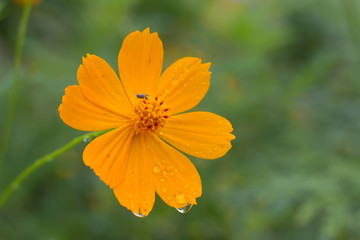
(176, 179)
(101, 86)
(108, 155)
(140, 62)
(200, 134)
(79, 113)
(137, 191)
(184, 84)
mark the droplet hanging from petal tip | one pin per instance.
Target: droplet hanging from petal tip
(140, 215)
(185, 209)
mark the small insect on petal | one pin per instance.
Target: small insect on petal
(140, 95)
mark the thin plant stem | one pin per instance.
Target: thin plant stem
(15, 82)
(40, 161)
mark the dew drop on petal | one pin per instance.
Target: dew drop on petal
(164, 189)
(185, 209)
(162, 180)
(140, 215)
(180, 198)
(156, 168)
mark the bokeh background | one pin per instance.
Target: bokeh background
(285, 73)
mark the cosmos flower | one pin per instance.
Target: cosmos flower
(141, 154)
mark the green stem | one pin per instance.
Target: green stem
(15, 83)
(39, 162)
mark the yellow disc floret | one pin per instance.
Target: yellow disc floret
(150, 114)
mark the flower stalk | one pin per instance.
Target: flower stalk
(15, 82)
(41, 161)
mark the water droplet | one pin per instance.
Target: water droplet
(156, 168)
(162, 180)
(140, 215)
(169, 198)
(185, 209)
(87, 139)
(180, 198)
(165, 173)
(164, 189)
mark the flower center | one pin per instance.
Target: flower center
(150, 114)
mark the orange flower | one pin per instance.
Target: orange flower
(23, 2)
(139, 156)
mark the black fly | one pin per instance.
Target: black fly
(140, 95)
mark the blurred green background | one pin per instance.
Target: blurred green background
(286, 75)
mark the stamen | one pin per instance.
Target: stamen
(149, 114)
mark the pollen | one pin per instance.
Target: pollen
(150, 114)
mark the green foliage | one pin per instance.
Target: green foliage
(284, 73)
